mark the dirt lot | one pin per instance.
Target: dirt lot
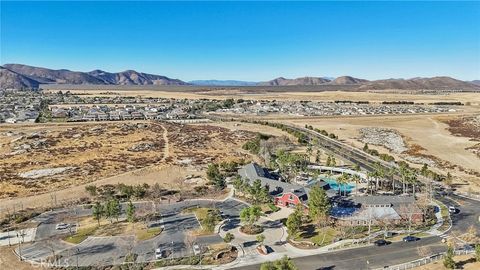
(108, 153)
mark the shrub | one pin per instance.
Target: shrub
(228, 238)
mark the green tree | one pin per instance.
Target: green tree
(130, 212)
(97, 211)
(356, 179)
(260, 239)
(343, 181)
(209, 221)
(294, 222)
(424, 170)
(333, 162)
(365, 147)
(228, 237)
(284, 263)
(112, 209)
(318, 204)
(318, 156)
(477, 252)
(214, 176)
(328, 163)
(448, 261)
(250, 215)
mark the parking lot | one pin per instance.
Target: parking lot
(101, 251)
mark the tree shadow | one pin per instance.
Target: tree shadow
(308, 231)
(461, 264)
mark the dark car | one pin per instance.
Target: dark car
(410, 238)
(381, 242)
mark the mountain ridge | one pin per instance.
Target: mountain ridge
(18, 76)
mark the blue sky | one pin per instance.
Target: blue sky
(247, 40)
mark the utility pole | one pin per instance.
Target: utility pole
(19, 247)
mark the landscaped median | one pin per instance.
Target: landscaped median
(207, 217)
(90, 227)
(215, 255)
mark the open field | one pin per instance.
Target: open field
(269, 94)
(70, 156)
(425, 136)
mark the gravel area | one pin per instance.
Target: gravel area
(33, 174)
(388, 138)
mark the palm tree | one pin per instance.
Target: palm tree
(370, 175)
(342, 180)
(309, 151)
(412, 179)
(356, 179)
(403, 170)
(379, 174)
(391, 175)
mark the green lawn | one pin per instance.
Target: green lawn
(81, 235)
(201, 214)
(145, 234)
(320, 237)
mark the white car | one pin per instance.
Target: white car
(62, 226)
(452, 209)
(158, 254)
(196, 250)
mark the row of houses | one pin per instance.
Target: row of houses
(128, 112)
(356, 211)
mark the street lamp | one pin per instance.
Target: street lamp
(77, 250)
(19, 247)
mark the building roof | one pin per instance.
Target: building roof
(383, 199)
(374, 213)
(253, 171)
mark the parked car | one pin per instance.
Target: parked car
(196, 249)
(410, 238)
(62, 226)
(381, 242)
(158, 254)
(452, 209)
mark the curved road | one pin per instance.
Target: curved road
(395, 253)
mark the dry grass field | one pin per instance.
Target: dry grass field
(425, 136)
(107, 153)
(473, 98)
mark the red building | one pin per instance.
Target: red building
(292, 198)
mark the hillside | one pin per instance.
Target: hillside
(23, 76)
(222, 83)
(347, 80)
(10, 79)
(434, 83)
(298, 81)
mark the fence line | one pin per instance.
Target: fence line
(426, 260)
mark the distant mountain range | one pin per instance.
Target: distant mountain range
(17, 76)
(222, 83)
(26, 77)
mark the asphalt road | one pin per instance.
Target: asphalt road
(395, 253)
(364, 258)
(468, 212)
